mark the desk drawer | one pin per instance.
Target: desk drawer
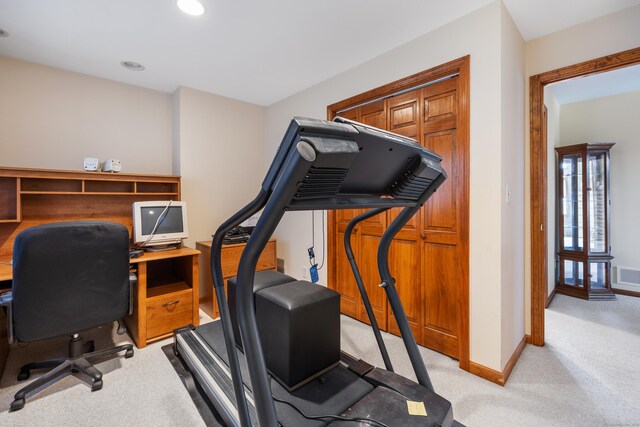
(168, 312)
(231, 258)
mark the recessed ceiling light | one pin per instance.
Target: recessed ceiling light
(3, 33)
(191, 7)
(134, 66)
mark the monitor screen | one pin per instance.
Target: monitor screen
(171, 221)
(168, 217)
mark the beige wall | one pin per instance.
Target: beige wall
(603, 36)
(512, 200)
(219, 153)
(613, 119)
(553, 140)
(52, 118)
(479, 35)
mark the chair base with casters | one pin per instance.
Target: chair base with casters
(79, 363)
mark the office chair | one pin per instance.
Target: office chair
(69, 277)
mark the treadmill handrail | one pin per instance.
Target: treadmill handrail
(400, 315)
(223, 307)
(360, 284)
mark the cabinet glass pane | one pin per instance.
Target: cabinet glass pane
(573, 273)
(571, 202)
(598, 275)
(596, 201)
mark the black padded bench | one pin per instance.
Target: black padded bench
(299, 328)
(262, 280)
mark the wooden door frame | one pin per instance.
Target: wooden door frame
(538, 176)
(462, 68)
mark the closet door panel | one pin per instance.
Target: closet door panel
(443, 252)
(405, 265)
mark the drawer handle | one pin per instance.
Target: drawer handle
(167, 304)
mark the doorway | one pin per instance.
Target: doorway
(538, 163)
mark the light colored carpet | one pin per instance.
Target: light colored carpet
(586, 375)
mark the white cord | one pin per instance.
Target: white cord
(155, 227)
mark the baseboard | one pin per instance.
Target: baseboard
(486, 373)
(550, 298)
(498, 377)
(625, 292)
(528, 339)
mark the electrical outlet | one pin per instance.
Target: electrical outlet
(305, 272)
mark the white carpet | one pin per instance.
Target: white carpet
(587, 375)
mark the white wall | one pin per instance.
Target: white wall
(553, 140)
(512, 221)
(613, 119)
(477, 34)
(220, 156)
(52, 118)
(603, 36)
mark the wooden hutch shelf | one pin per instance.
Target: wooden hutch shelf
(31, 197)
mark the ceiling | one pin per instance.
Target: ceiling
(621, 80)
(251, 50)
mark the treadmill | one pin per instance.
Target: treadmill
(319, 165)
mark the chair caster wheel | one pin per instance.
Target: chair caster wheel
(97, 385)
(24, 374)
(128, 353)
(16, 405)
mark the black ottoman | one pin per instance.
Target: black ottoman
(299, 327)
(262, 280)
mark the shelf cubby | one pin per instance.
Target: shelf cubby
(156, 187)
(104, 186)
(9, 207)
(48, 185)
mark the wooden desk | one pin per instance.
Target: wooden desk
(6, 273)
(30, 197)
(230, 259)
(166, 296)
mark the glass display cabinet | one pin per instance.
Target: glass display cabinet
(584, 251)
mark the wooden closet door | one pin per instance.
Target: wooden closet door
(403, 117)
(443, 253)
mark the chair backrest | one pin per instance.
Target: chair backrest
(69, 277)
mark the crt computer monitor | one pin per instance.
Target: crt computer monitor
(171, 227)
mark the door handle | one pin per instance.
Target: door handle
(167, 304)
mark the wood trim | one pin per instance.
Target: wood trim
(78, 174)
(462, 67)
(464, 138)
(527, 337)
(498, 377)
(486, 373)
(550, 298)
(513, 360)
(625, 292)
(538, 184)
(399, 85)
